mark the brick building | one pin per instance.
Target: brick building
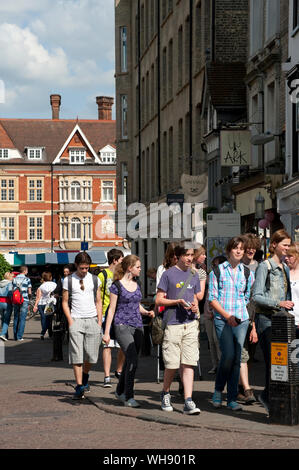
(58, 182)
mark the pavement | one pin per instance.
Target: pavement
(28, 369)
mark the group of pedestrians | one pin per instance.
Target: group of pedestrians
(18, 304)
(237, 299)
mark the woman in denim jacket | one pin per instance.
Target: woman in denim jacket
(271, 291)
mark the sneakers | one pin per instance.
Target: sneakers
(217, 399)
(107, 382)
(249, 396)
(234, 406)
(117, 374)
(166, 402)
(86, 388)
(79, 392)
(121, 397)
(264, 402)
(3, 338)
(132, 403)
(212, 371)
(190, 408)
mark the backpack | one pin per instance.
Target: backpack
(216, 271)
(17, 296)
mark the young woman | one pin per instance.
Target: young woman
(43, 295)
(126, 310)
(170, 260)
(292, 260)
(228, 296)
(199, 265)
(271, 291)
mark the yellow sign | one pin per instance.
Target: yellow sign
(279, 354)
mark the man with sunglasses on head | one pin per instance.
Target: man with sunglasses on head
(82, 306)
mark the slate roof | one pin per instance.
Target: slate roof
(52, 135)
(225, 82)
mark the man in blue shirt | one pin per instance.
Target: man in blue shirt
(20, 311)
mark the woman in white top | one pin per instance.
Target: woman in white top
(43, 296)
(292, 260)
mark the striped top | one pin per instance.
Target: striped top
(24, 283)
(230, 293)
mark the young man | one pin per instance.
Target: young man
(106, 277)
(180, 345)
(84, 316)
(251, 245)
(20, 311)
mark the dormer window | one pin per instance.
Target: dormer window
(34, 153)
(108, 157)
(3, 153)
(77, 156)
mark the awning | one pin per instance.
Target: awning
(18, 259)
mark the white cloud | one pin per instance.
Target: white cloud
(64, 46)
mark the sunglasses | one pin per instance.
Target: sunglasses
(81, 284)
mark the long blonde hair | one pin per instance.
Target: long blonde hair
(121, 268)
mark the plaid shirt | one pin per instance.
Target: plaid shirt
(230, 293)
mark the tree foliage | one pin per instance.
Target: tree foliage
(4, 267)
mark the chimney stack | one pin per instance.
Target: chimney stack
(55, 101)
(105, 104)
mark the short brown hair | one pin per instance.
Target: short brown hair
(251, 241)
(46, 276)
(83, 258)
(277, 237)
(233, 243)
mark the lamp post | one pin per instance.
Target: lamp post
(259, 214)
(84, 233)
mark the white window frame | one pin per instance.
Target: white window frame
(35, 189)
(75, 191)
(123, 49)
(107, 185)
(35, 228)
(7, 189)
(75, 228)
(7, 228)
(4, 154)
(34, 153)
(77, 156)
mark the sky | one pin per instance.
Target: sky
(55, 46)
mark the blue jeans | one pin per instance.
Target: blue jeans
(263, 328)
(19, 322)
(46, 320)
(231, 341)
(5, 312)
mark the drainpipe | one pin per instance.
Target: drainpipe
(190, 85)
(139, 107)
(159, 97)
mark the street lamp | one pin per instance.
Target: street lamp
(259, 206)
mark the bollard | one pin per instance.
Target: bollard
(58, 335)
(284, 377)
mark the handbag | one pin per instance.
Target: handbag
(50, 306)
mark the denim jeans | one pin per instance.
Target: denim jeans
(263, 328)
(19, 322)
(5, 311)
(231, 341)
(46, 320)
(130, 340)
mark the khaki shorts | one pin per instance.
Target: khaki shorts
(85, 339)
(181, 345)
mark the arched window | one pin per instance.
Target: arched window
(75, 191)
(75, 229)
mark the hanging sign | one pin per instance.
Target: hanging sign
(235, 148)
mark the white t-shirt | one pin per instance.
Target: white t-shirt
(83, 305)
(46, 289)
(295, 299)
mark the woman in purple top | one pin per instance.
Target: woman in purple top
(126, 310)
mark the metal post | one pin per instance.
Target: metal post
(284, 374)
